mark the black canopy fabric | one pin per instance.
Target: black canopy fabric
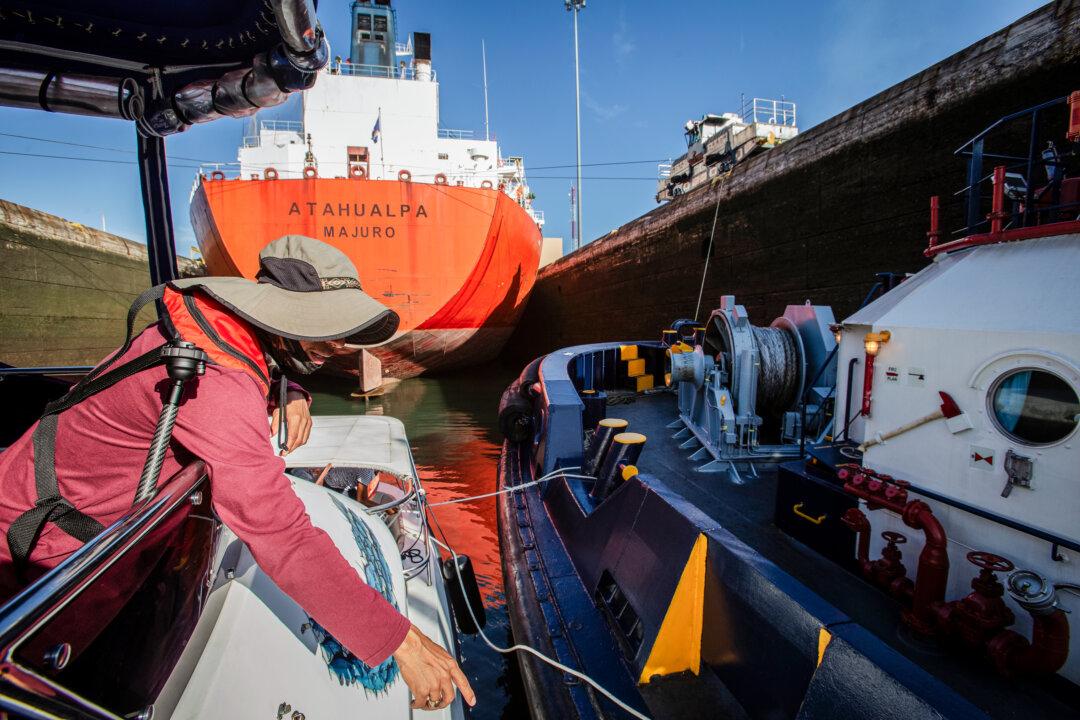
(155, 33)
(167, 64)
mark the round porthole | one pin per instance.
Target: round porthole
(1034, 407)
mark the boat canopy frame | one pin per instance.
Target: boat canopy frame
(162, 67)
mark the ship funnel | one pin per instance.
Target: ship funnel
(422, 55)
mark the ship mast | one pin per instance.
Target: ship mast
(575, 6)
(483, 55)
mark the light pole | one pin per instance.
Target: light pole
(575, 6)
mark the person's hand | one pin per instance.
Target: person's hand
(430, 672)
(298, 415)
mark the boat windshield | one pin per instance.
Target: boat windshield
(108, 625)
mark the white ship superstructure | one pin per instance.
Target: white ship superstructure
(375, 115)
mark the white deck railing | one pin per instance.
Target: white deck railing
(265, 127)
(376, 71)
(450, 134)
(772, 112)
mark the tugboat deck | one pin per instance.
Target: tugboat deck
(747, 511)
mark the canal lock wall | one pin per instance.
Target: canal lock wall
(65, 288)
(814, 218)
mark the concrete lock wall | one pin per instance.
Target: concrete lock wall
(816, 217)
(65, 288)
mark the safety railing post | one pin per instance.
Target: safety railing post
(997, 206)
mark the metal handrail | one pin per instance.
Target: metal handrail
(388, 72)
(766, 110)
(975, 151)
(46, 370)
(23, 614)
(22, 688)
(451, 134)
(281, 126)
(1008, 118)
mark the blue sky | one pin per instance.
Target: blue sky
(647, 67)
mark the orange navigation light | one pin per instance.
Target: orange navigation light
(872, 342)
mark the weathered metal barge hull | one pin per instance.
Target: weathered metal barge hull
(815, 217)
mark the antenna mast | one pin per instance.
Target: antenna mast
(483, 54)
(575, 6)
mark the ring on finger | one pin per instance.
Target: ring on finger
(432, 702)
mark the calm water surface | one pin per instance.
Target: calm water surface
(452, 426)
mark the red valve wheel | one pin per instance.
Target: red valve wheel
(894, 537)
(989, 561)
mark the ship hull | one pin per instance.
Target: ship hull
(456, 263)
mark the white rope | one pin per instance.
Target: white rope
(514, 488)
(708, 253)
(525, 648)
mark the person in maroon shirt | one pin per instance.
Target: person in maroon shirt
(306, 306)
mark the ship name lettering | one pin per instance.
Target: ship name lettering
(360, 210)
(359, 231)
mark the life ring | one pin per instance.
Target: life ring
(270, 173)
(217, 175)
(440, 179)
(357, 172)
(486, 185)
(404, 176)
(310, 172)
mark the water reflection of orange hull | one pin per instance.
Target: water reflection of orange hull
(456, 263)
(471, 527)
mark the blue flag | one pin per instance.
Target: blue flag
(377, 130)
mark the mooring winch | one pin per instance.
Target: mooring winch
(741, 391)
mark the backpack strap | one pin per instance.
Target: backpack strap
(155, 293)
(51, 506)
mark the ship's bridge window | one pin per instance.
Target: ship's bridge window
(380, 23)
(1034, 407)
(363, 22)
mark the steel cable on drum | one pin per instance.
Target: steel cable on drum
(778, 375)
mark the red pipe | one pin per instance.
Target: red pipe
(1010, 652)
(935, 233)
(1044, 655)
(997, 207)
(855, 519)
(933, 574)
(1073, 133)
(867, 384)
(1066, 227)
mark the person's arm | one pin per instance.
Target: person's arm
(224, 424)
(297, 415)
